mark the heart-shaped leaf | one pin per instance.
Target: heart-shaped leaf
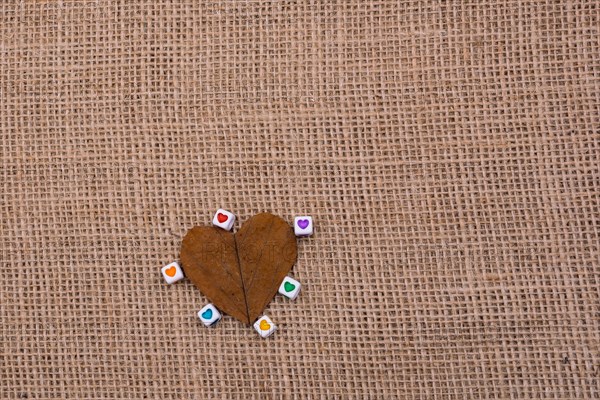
(240, 273)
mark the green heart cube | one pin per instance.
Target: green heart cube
(289, 288)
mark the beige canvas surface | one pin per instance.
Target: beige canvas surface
(448, 152)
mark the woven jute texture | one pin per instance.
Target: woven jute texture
(448, 152)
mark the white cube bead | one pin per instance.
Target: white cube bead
(172, 272)
(223, 219)
(209, 315)
(289, 288)
(264, 326)
(303, 226)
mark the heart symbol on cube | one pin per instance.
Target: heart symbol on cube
(264, 325)
(303, 223)
(222, 217)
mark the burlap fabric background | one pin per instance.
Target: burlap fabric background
(448, 152)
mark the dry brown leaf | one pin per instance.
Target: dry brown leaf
(240, 273)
